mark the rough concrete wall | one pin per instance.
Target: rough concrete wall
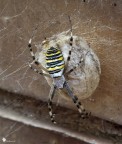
(98, 22)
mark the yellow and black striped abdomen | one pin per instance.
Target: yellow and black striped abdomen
(54, 62)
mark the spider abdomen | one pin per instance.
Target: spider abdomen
(55, 62)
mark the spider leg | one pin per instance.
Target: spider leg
(70, 51)
(51, 95)
(81, 109)
(72, 69)
(37, 71)
(30, 45)
(32, 53)
(70, 43)
(80, 63)
(35, 61)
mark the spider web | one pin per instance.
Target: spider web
(98, 22)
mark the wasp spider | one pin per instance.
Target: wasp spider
(55, 66)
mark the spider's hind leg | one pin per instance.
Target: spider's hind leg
(51, 95)
(82, 111)
(84, 114)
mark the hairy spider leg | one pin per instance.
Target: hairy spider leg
(72, 69)
(81, 109)
(70, 51)
(51, 95)
(75, 67)
(37, 71)
(31, 52)
(33, 56)
(70, 43)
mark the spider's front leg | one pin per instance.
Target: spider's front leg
(70, 43)
(70, 51)
(37, 71)
(32, 53)
(81, 109)
(35, 61)
(51, 95)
